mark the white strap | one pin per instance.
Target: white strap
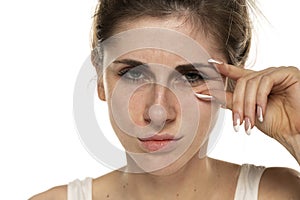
(80, 190)
(248, 182)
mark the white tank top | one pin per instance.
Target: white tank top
(80, 190)
(247, 186)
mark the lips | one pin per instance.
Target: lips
(158, 142)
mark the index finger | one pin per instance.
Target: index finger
(230, 71)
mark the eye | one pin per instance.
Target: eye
(194, 78)
(134, 74)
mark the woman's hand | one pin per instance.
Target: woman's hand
(268, 99)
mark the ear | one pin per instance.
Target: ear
(100, 89)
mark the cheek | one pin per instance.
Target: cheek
(208, 113)
(137, 106)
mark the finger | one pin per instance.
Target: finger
(250, 102)
(230, 71)
(254, 105)
(244, 99)
(238, 100)
(276, 80)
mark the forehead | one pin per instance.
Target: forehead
(158, 56)
(164, 42)
(177, 24)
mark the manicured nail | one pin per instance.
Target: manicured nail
(204, 97)
(236, 122)
(259, 114)
(214, 61)
(248, 126)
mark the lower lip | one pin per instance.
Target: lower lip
(155, 145)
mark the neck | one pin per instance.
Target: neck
(186, 182)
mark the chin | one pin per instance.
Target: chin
(160, 164)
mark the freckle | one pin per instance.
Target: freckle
(107, 196)
(177, 195)
(195, 190)
(124, 186)
(126, 183)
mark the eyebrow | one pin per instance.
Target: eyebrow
(130, 62)
(193, 66)
(179, 68)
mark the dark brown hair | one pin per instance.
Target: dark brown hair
(227, 21)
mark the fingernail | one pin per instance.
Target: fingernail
(204, 97)
(236, 122)
(259, 114)
(214, 61)
(248, 126)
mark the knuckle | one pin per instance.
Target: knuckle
(289, 68)
(241, 81)
(293, 68)
(252, 81)
(266, 79)
(229, 70)
(270, 69)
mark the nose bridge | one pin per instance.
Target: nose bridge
(161, 88)
(161, 94)
(162, 97)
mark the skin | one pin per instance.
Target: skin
(190, 177)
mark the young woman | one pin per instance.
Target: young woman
(149, 68)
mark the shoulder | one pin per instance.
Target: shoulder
(109, 185)
(101, 186)
(56, 193)
(279, 183)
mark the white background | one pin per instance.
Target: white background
(42, 47)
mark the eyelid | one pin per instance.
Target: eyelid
(124, 70)
(141, 69)
(203, 75)
(130, 67)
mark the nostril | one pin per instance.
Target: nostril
(157, 114)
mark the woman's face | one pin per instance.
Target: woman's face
(149, 91)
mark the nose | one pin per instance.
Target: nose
(161, 106)
(157, 114)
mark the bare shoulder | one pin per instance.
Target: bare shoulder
(56, 193)
(103, 186)
(280, 183)
(227, 168)
(109, 185)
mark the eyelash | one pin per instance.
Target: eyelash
(194, 81)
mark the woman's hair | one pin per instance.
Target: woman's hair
(226, 21)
